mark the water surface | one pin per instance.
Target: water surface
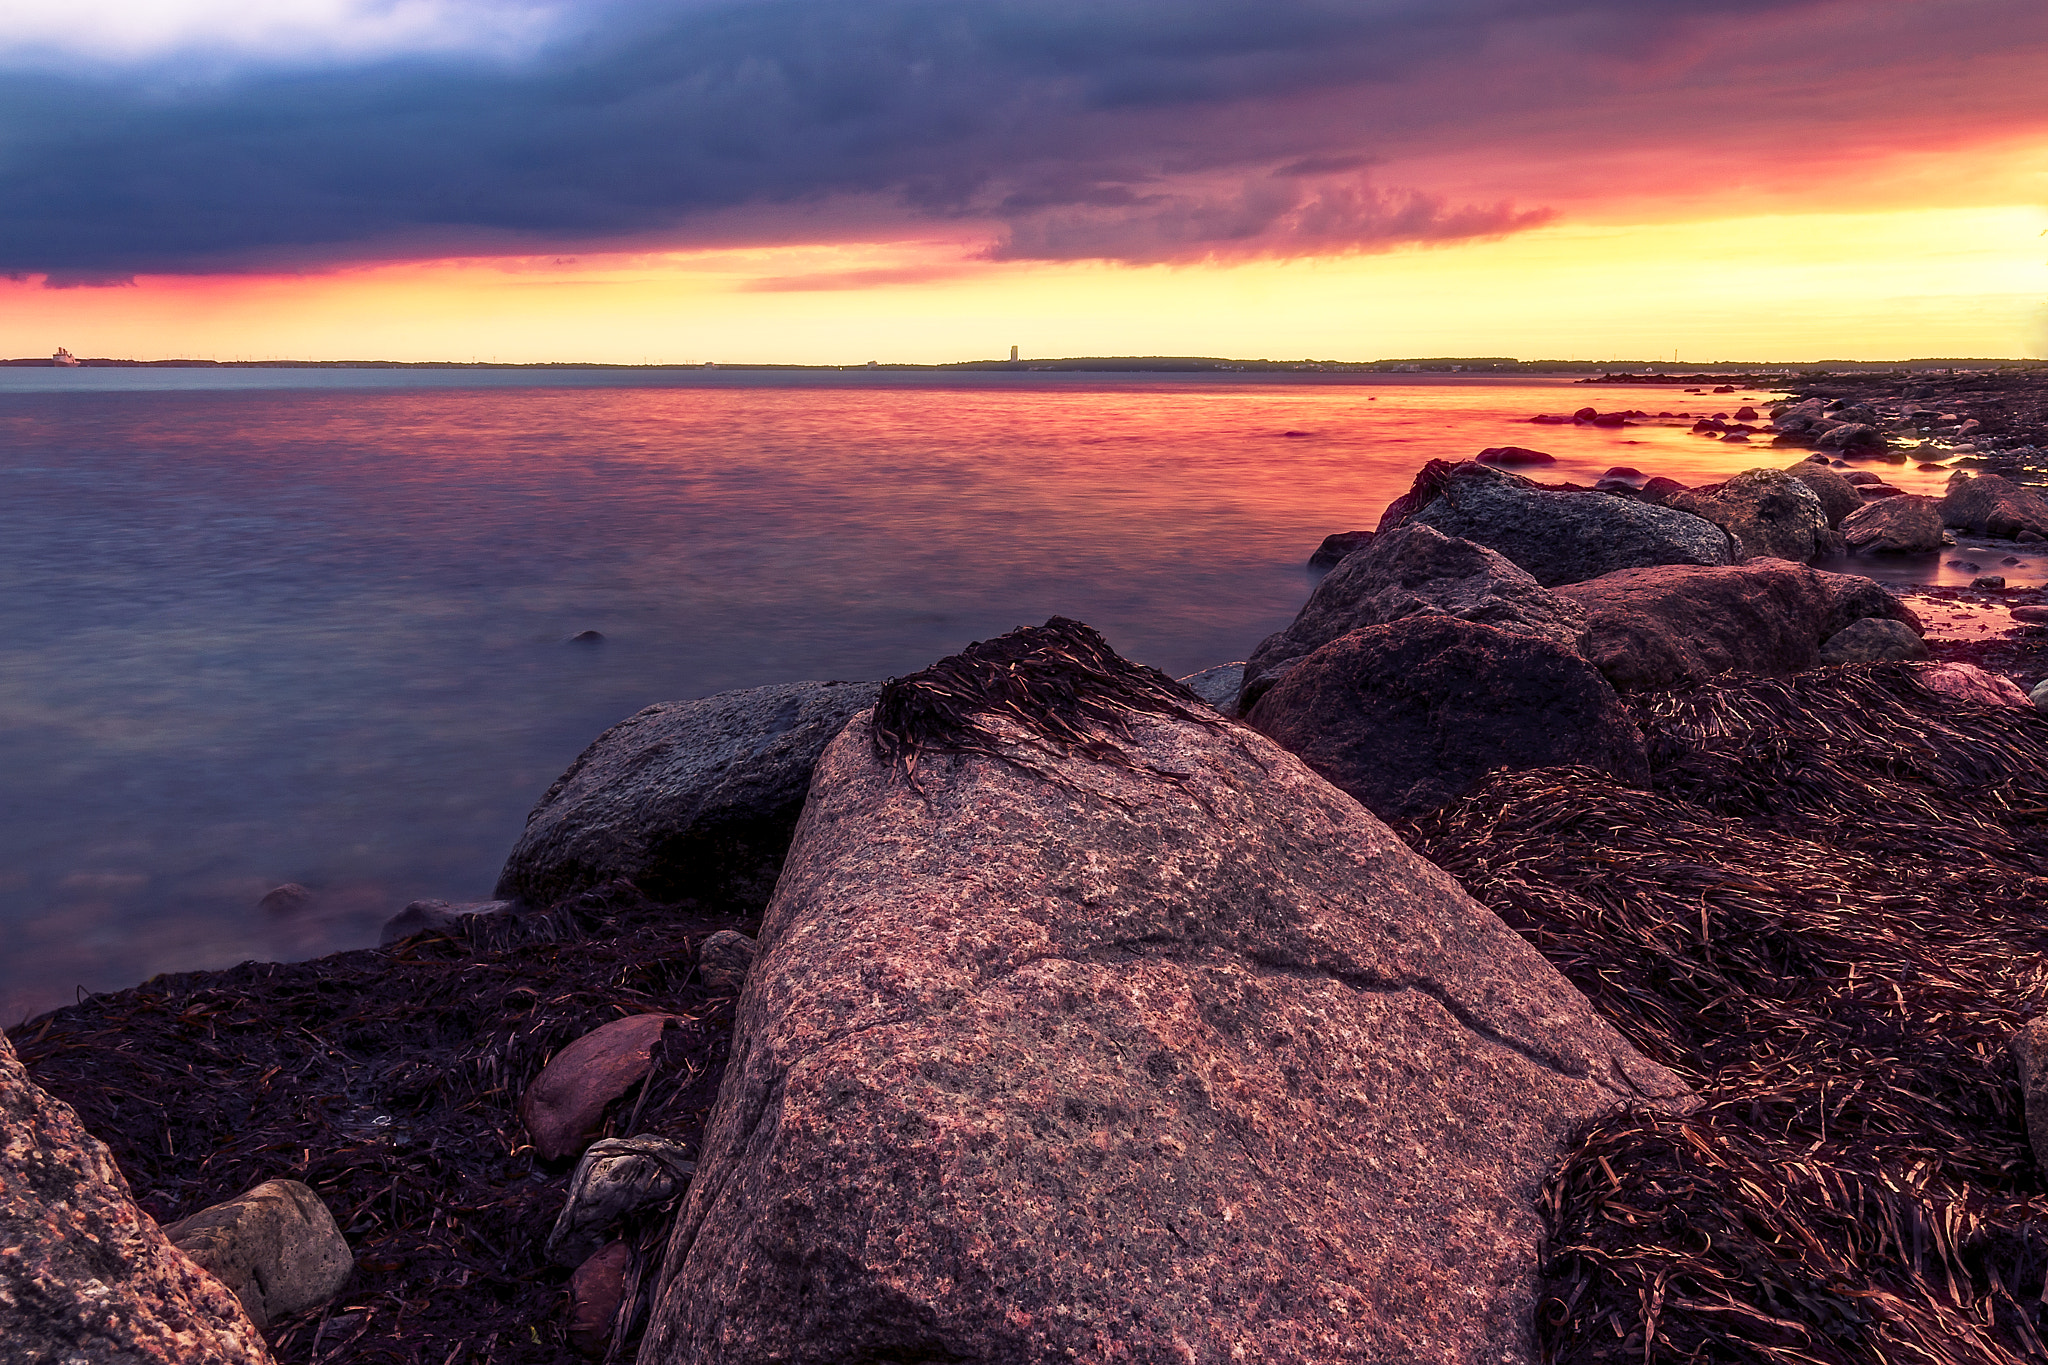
(260, 626)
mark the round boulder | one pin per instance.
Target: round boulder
(1408, 716)
(564, 1106)
(1873, 640)
(1767, 513)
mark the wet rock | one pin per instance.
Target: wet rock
(587, 637)
(1556, 536)
(595, 1292)
(1184, 1056)
(1414, 570)
(564, 1105)
(1852, 438)
(1872, 640)
(1990, 505)
(1409, 716)
(1767, 513)
(422, 915)
(1677, 623)
(1862, 476)
(1623, 471)
(1879, 490)
(1989, 583)
(689, 799)
(86, 1277)
(725, 959)
(276, 1248)
(1838, 497)
(616, 1178)
(1907, 525)
(1969, 683)
(1745, 413)
(1335, 547)
(1217, 686)
(1658, 491)
(2031, 615)
(285, 900)
(1510, 457)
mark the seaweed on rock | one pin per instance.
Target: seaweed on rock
(1060, 683)
(1830, 917)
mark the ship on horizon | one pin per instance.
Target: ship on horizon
(63, 357)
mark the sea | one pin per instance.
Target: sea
(266, 626)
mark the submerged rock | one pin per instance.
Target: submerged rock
(689, 799)
(1409, 716)
(1416, 570)
(1659, 627)
(1087, 1021)
(1555, 535)
(86, 1277)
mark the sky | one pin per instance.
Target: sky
(835, 181)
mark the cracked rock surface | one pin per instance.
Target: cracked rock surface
(1153, 1046)
(86, 1277)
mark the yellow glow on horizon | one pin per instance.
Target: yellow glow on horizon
(1887, 284)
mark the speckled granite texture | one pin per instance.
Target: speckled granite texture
(86, 1277)
(1170, 1052)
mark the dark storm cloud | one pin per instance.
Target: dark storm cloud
(1139, 130)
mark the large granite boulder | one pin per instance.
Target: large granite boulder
(1767, 513)
(1090, 1025)
(1838, 497)
(689, 799)
(1409, 716)
(1908, 524)
(1676, 623)
(1991, 505)
(86, 1277)
(1416, 570)
(1555, 535)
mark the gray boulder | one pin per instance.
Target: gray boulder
(2038, 694)
(1218, 686)
(1838, 497)
(1908, 524)
(86, 1277)
(420, 916)
(1676, 623)
(1414, 571)
(1767, 513)
(1557, 535)
(276, 1247)
(1409, 716)
(1087, 1021)
(689, 799)
(1872, 640)
(1991, 505)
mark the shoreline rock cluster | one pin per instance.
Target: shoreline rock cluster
(1037, 1006)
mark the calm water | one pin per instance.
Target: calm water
(269, 626)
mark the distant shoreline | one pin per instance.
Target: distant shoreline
(1615, 370)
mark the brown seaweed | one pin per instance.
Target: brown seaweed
(1829, 917)
(388, 1080)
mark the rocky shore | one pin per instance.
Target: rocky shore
(1594, 930)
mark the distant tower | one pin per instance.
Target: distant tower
(1013, 353)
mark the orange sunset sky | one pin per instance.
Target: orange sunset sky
(845, 180)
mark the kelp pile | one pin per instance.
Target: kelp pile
(1830, 917)
(388, 1080)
